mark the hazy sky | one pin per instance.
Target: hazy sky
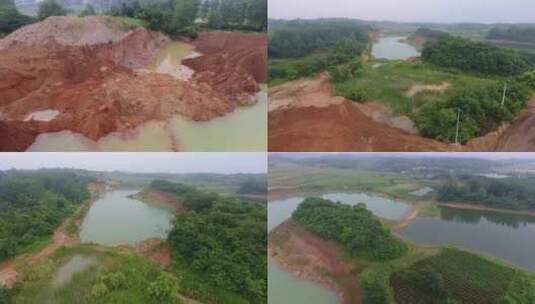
(140, 162)
(483, 11)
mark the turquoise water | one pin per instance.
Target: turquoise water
(116, 219)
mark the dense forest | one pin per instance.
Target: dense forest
(219, 246)
(354, 227)
(513, 33)
(510, 193)
(297, 38)
(34, 203)
(429, 33)
(470, 56)
(306, 47)
(253, 186)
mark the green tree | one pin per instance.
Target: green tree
(49, 8)
(10, 18)
(184, 14)
(88, 10)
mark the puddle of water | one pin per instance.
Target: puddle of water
(245, 129)
(45, 115)
(168, 60)
(391, 48)
(117, 219)
(76, 264)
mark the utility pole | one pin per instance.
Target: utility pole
(504, 92)
(457, 129)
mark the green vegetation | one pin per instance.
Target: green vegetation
(117, 276)
(355, 227)
(253, 186)
(302, 48)
(49, 8)
(33, 204)
(469, 56)
(455, 276)
(10, 18)
(479, 98)
(513, 33)
(219, 246)
(186, 16)
(511, 193)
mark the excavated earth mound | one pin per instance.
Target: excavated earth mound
(92, 72)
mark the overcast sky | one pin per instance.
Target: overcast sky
(452, 11)
(140, 162)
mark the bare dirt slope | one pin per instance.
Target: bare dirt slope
(304, 116)
(311, 257)
(92, 71)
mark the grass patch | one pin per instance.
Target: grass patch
(389, 82)
(288, 69)
(126, 23)
(119, 276)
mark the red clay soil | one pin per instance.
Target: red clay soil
(227, 58)
(520, 136)
(310, 257)
(161, 197)
(339, 128)
(155, 250)
(100, 87)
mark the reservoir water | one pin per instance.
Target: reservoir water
(117, 219)
(392, 48)
(283, 286)
(281, 210)
(507, 236)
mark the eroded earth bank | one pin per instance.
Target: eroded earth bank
(91, 76)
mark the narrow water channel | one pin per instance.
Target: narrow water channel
(286, 288)
(117, 219)
(393, 48)
(507, 236)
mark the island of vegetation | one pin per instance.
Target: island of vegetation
(386, 269)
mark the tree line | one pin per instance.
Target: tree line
(170, 16)
(219, 246)
(34, 203)
(309, 47)
(509, 193)
(513, 33)
(470, 56)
